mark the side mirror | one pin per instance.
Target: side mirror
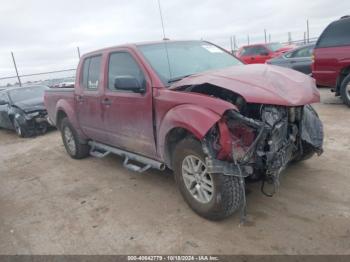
(3, 102)
(128, 83)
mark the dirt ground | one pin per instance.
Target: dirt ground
(52, 204)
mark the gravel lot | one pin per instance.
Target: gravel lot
(51, 204)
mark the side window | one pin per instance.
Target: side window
(303, 52)
(91, 72)
(336, 34)
(3, 96)
(122, 64)
(248, 51)
(260, 49)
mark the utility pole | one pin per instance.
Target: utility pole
(308, 30)
(234, 43)
(265, 36)
(231, 42)
(78, 51)
(289, 37)
(269, 38)
(14, 63)
(304, 37)
(248, 39)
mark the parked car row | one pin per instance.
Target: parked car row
(22, 110)
(328, 61)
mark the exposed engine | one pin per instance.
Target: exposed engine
(260, 140)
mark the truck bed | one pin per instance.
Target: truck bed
(55, 96)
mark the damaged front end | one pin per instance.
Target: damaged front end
(260, 141)
(33, 122)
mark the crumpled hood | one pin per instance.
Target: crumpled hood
(260, 83)
(31, 105)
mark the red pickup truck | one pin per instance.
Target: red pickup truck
(194, 108)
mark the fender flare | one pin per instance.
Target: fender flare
(64, 106)
(195, 119)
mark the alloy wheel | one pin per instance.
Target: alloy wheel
(197, 180)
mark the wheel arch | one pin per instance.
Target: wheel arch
(180, 122)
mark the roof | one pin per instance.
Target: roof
(134, 45)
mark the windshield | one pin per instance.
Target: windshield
(27, 93)
(175, 60)
(274, 46)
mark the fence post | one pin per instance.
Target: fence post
(14, 63)
(308, 30)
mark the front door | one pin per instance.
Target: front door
(128, 113)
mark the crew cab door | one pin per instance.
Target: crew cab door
(88, 99)
(128, 104)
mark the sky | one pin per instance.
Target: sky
(44, 34)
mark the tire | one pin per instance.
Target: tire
(308, 152)
(20, 131)
(345, 90)
(226, 194)
(74, 147)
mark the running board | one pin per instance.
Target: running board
(101, 150)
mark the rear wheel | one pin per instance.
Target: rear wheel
(74, 147)
(213, 196)
(345, 90)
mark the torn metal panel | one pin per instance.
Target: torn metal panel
(312, 129)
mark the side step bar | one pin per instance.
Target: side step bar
(101, 150)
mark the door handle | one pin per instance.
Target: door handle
(80, 99)
(106, 102)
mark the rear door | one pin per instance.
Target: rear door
(89, 99)
(300, 59)
(128, 114)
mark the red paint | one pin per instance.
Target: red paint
(141, 122)
(330, 60)
(261, 58)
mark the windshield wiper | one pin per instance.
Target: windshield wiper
(172, 80)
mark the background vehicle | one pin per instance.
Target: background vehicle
(259, 53)
(331, 66)
(195, 108)
(22, 109)
(298, 59)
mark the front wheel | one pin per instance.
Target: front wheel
(74, 147)
(20, 131)
(212, 196)
(345, 90)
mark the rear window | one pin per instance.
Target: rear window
(336, 34)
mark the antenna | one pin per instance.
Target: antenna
(161, 19)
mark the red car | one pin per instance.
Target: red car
(331, 66)
(194, 108)
(259, 53)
